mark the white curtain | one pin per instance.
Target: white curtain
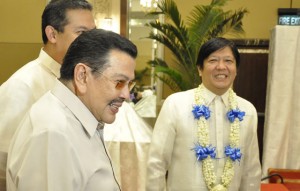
(282, 116)
(128, 140)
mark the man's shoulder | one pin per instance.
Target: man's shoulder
(47, 107)
(25, 74)
(183, 95)
(32, 79)
(245, 104)
(179, 100)
(28, 69)
(18, 89)
(48, 113)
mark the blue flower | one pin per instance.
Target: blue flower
(235, 113)
(201, 110)
(233, 153)
(203, 152)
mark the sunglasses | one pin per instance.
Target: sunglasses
(120, 84)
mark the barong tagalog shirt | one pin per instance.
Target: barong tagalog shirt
(175, 136)
(59, 147)
(18, 93)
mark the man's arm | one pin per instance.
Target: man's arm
(161, 149)
(42, 161)
(15, 100)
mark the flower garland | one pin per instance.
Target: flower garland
(205, 152)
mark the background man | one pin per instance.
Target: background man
(62, 22)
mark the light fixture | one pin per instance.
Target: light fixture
(149, 3)
(107, 23)
(103, 15)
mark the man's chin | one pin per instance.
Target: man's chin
(109, 120)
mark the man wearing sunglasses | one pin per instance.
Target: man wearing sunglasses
(59, 144)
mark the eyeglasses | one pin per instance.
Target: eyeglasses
(120, 84)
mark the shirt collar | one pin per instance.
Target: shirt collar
(74, 104)
(50, 63)
(225, 99)
(210, 96)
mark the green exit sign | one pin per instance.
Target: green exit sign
(289, 16)
(289, 20)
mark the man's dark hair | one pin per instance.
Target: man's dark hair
(92, 48)
(55, 14)
(215, 44)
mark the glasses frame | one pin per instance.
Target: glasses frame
(119, 84)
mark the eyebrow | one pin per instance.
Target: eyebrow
(117, 75)
(83, 28)
(221, 56)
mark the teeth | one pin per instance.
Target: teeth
(112, 105)
(221, 76)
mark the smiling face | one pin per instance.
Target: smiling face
(102, 93)
(219, 71)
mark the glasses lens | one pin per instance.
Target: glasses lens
(121, 84)
(131, 84)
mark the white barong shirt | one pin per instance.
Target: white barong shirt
(175, 135)
(18, 93)
(57, 147)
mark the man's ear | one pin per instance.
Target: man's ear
(80, 78)
(51, 33)
(199, 71)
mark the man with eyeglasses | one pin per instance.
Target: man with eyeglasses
(59, 144)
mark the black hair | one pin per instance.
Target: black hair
(55, 14)
(213, 45)
(92, 48)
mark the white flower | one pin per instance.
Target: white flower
(203, 140)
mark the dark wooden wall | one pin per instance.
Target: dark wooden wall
(251, 81)
(124, 18)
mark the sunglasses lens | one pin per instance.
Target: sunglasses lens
(131, 84)
(122, 84)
